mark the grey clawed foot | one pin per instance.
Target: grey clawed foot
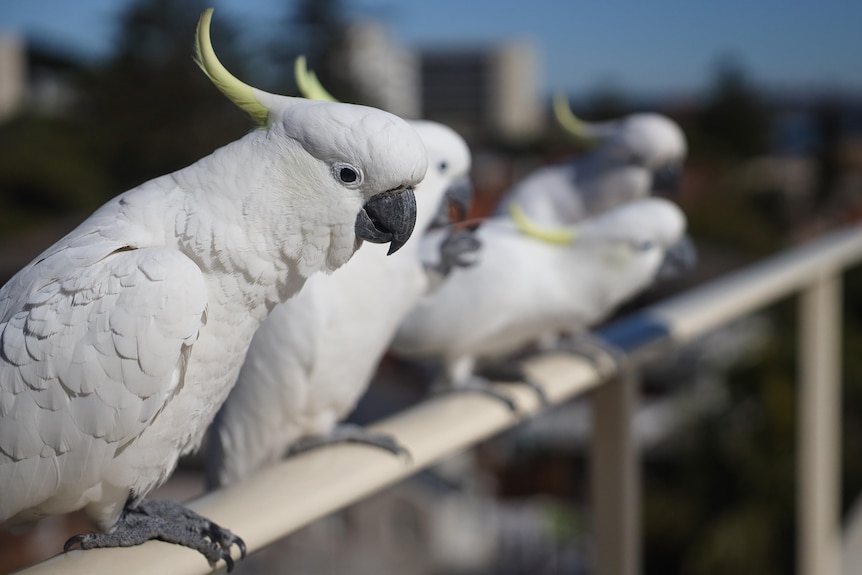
(605, 357)
(510, 372)
(165, 521)
(476, 384)
(351, 434)
(459, 250)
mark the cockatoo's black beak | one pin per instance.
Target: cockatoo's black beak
(388, 217)
(679, 259)
(458, 197)
(666, 179)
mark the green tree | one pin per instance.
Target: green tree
(155, 110)
(735, 121)
(48, 164)
(317, 29)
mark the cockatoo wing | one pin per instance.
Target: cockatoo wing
(549, 195)
(93, 343)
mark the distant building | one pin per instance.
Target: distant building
(13, 74)
(485, 93)
(37, 78)
(384, 72)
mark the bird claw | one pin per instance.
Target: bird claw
(352, 434)
(228, 560)
(225, 540)
(477, 385)
(606, 358)
(240, 544)
(165, 521)
(74, 540)
(538, 389)
(459, 250)
(513, 373)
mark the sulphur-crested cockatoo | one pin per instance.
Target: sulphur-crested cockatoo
(631, 157)
(315, 355)
(119, 343)
(522, 287)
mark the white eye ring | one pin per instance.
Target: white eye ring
(347, 175)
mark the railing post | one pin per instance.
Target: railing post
(819, 435)
(615, 478)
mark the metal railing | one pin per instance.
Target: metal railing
(295, 492)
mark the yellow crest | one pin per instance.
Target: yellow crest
(559, 236)
(309, 86)
(237, 91)
(571, 123)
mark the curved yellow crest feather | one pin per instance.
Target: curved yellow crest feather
(561, 236)
(309, 86)
(571, 123)
(237, 91)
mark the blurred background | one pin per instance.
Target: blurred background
(97, 96)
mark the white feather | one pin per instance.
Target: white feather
(620, 170)
(522, 288)
(120, 342)
(312, 359)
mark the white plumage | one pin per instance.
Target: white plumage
(312, 359)
(523, 287)
(119, 342)
(633, 156)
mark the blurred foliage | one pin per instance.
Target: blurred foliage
(725, 136)
(146, 111)
(154, 110)
(735, 122)
(47, 169)
(316, 29)
(606, 102)
(752, 233)
(725, 503)
(829, 118)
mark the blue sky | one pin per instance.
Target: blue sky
(647, 47)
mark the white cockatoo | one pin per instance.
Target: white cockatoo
(119, 343)
(522, 286)
(631, 157)
(315, 355)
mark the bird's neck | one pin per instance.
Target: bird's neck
(254, 248)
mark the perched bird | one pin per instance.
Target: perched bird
(522, 287)
(315, 355)
(119, 343)
(631, 157)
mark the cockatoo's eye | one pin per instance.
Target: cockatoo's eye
(643, 246)
(443, 166)
(348, 175)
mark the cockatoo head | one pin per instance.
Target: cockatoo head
(637, 244)
(651, 141)
(446, 193)
(642, 224)
(449, 160)
(643, 241)
(359, 153)
(357, 165)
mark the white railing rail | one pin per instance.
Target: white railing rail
(295, 492)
